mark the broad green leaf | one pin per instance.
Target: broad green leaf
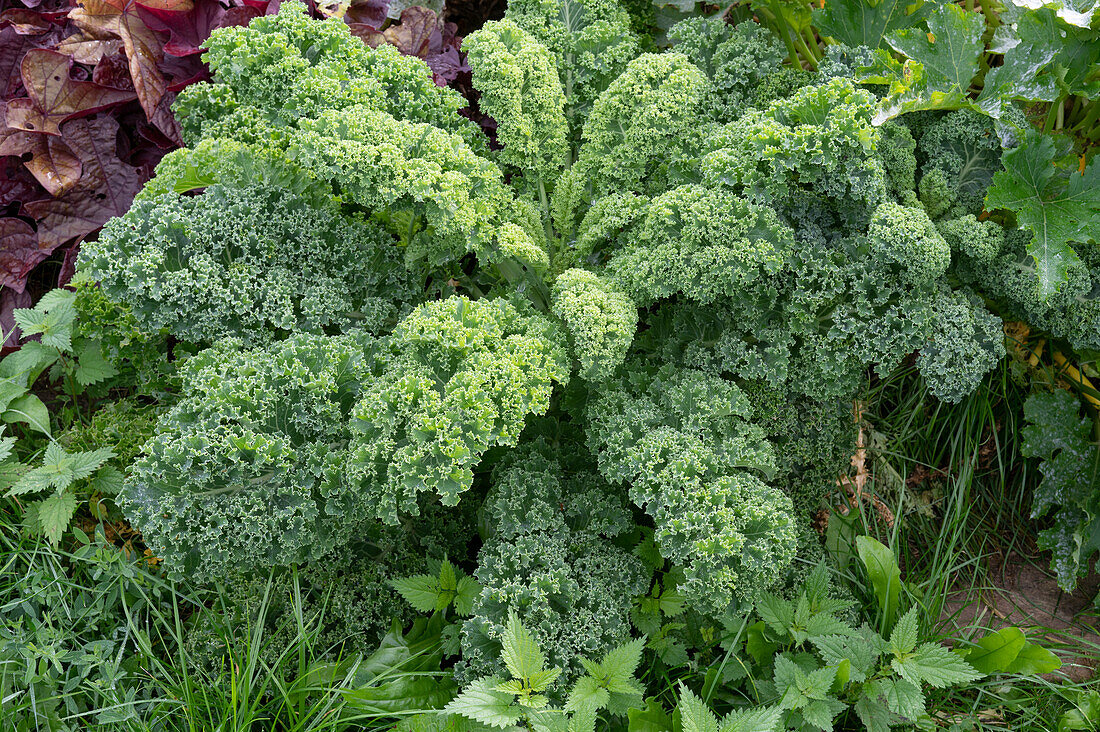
(835, 649)
(31, 410)
(1056, 207)
(421, 591)
(1083, 13)
(995, 652)
(1018, 77)
(29, 361)
(520, 652)
(651, 719)
(54, 514)
(882, 569)
(862, 22)
(1033, 660)
(481, 703)
(949, 53)
(933, 664)
(757, 644)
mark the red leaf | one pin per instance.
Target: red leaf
(29, 22)
(54, 97)
(17, 184)
(19, 252)
(106, 18)
(144, 50)
(89, 50)
(418, 33)
(10, 300)
(107, 188)
(13, 46)
(189, 29)
(371, 13)
(68, 265)
(54, 165)
(113, 71)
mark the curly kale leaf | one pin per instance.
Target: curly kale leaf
(648, 111)
(283, 68)
(681, 442)
(811, 156)
(456, 378)
(590, 40)
(519, 87)
(248, 263)
(245, 472)
(704, 243)
(743, 64)
(549, 560)
(390, 165)
(601, 321)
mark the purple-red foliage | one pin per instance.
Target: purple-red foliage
(86, 88)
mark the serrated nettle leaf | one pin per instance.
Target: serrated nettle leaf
(541, 680)
(448, 580)
(873, 713)
(54, 514)
(1057, 206)
(466, 594)
(482, 703)
(906, 633)
(91, 366)
(421, 591)
(900, 696)
(587, 692)
(751, 720)
(621, 662)
(776, 612)
(695, 716)
(933, 664)
(821, 712)
(521, 654)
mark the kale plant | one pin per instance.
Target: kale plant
(646, 311)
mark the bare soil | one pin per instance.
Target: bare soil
(1024, 594)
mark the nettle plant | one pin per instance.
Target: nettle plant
(652, 305)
